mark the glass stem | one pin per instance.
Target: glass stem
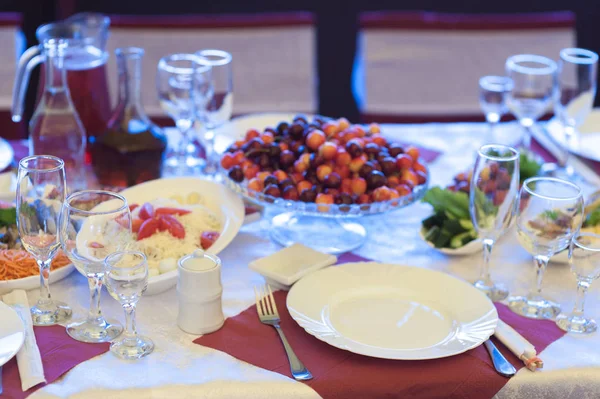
(184, 126)
(527, 137)
(540, 262)
(95, 283)
(582, 287)
(45, 297)
(209, 141)
(484, 275)
(130, 329)
(569, 145)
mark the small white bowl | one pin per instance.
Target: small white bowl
(469, 249)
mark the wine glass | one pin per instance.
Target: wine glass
(174, 83)
(574, 95)
(126, 280)
(492, 98)
(584, 258)
(218, 110)
(40, 194)
(93, 225)
(531, 93)
(550, 213)
(493, 194)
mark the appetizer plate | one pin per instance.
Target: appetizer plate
(470, 248)
(589, 138)
(216, 197)
(12, 333)
(392, 311)
(6, 154)
(32, 282)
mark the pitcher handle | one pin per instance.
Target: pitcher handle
(28, 61)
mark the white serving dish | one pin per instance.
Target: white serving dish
(12, 333)
(589, 135)
(217, 198)
(392, 311)
(32, 282)
(471, 248)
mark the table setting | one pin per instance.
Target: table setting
(296, 255)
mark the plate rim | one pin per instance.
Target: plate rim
(16, 314)
(294, 314)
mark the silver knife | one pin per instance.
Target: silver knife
(502, 366)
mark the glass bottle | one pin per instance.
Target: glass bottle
(133, 148)
(55, 127)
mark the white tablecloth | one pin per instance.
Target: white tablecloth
(180, 369)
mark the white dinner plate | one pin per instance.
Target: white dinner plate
(32, 282)
(6, 154)
(237, 127)
(216, 197)
(12, 333)
(470, 248)
(392, 311)
(589, 137)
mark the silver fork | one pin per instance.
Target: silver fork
(268, 314)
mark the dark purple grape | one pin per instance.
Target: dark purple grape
(308, 195)
(286, 183)
(255, 144)
(296, 130)
(272, 190)
(274, 150)
(264, 161)
(375, 179)
(270, 180)
(301, 150)
(282, 128)
(372, 148)
(395, 149)
(354, 149)
(295, 145)
(316, 160)
(311, 176)
(271, 130)
(333, 180)
(236, 174)
(388, 166)
(343, 198)
(366, 169)
(301, 118)
(286, 159)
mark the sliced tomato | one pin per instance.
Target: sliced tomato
(147, 229)
(95, 244)
(136, 224)
(123, 221)
(146, 211)
(208, 238)
(132, 207)
(173, 226)
(171, 211)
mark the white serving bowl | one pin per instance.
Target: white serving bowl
(32, 282)
(469, 249)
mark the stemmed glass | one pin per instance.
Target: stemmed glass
(492, 98)
(494, 187)
(40, 194)
(584, 258)
(218, 110)
(88, 236)
(549, 215)
(174, 83)
(573, 98)
(126, 280)
(531, 94)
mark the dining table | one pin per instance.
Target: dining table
(179, 368)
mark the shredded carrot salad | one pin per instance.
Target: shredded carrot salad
(17, 263)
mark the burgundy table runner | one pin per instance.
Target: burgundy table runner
(60, 353)
(342, 374)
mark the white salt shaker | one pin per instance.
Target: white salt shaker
(199, 292)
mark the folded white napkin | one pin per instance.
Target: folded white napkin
(518, 345)
(29, 359)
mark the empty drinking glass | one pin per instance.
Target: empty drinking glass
(93, 225)
(218, 109)
(126, 280)
(492, 98)
(584, 258)
(550, 213)
(174, 82)
(494, 187)
(573, 98)
(40, 195)
(533, 79)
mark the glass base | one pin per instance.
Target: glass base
(576, 324)
(94, 330)
(534, 308)
(176, 166)
(50, 314)
(132, 348)
(328, 235)
(495, 292)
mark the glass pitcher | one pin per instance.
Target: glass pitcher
(85, 58)
(55, 128)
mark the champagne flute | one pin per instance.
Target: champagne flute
(493, 194)
(88, 236)
(573, 99)
(174, 83)
(217, 111)
(126, 280)
(584, 258)
(492, 98)
(550, 213)
(533, 79)
(40, 194)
